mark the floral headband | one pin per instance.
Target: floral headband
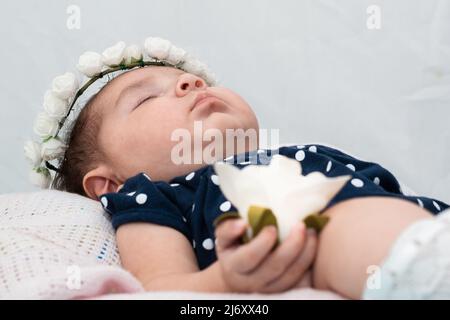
(65, 90)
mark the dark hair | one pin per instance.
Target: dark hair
(82, 153)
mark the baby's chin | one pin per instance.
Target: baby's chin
(221, 122)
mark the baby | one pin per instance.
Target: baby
(120, 153)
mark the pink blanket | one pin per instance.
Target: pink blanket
(102, 282)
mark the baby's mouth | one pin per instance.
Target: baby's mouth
(205, 100)
(201, 96)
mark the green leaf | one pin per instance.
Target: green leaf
(260, 217)
(316, 222)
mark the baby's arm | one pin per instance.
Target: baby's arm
(161, 258)
(360, 234)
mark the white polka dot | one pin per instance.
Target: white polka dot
(300, 147)
(351, 167)
(104, 202)
(184, 219)
(261, 151)
(436, 205)
(215, 179)
(208, 244)
(357, 182)
(300, 155)
(131, 193)
(329, 164)
(193, 207)
(190, 176)
(174, 184)
(312, 149)
(141, 198)
(420, 202)
(376, 180)
(146, 175)
(225, 206)
(193, 244)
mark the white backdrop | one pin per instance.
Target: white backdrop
(310, 68)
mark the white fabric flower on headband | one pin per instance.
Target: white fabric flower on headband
(33, 153)
(40, 178)
(65, 90)
(132, 54)
(45, 125)
(113, 56)
(54, 106)
(90, 63)
(52, 149)
(65, 86)
(157, 47)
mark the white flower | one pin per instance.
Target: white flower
(54, 106)
(194, 66)
(114, 55)
(206, 74)
(133, 53)
(210, 78)
(90, 63)
(45, 126)
(176, 55)
(32, 151)
(280, 187)
(40, 177)
(65, 86)
(157, 47)
(52, 149)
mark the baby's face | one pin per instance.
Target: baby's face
(141, 109)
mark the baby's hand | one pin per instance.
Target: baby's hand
(254, 266)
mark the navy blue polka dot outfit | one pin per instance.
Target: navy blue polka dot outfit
(190, 203)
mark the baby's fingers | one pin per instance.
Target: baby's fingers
(248, 256)
(284, 255)
(298, 269)
(228, 233)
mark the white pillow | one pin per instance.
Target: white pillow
(60, 245)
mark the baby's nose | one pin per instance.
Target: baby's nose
(188, 82)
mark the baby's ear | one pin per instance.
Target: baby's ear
(99, 181)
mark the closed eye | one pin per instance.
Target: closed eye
(144, 100)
